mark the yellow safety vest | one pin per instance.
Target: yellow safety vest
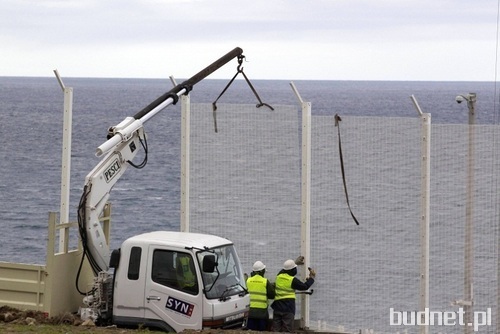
(258, 292)
(187, 278)
(284, 287)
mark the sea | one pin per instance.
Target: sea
(31, 129)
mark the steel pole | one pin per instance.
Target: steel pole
(425, 187)
(469, 210)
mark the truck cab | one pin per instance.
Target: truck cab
(179, 280)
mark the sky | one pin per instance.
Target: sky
(437, 40)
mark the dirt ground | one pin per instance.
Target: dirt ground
(13, 321)
(16, 321)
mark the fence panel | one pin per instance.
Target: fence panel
(245, 185)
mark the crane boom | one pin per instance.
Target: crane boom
(124, 141)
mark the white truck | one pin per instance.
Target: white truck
(168, 280)
(172, 281)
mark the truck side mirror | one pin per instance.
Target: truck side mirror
(209, 263)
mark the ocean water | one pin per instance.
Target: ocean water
(30, 158)
(31, 134)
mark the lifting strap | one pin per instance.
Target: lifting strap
(337, 124)
(238, 71)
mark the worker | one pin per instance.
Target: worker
(186, 276)
(284, 301)
(260, 290)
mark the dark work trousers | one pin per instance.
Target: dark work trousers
(257, 324)
(283, 322)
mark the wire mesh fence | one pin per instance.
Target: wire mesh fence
(246, 186)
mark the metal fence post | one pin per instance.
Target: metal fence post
(185, 160)
(425, 145)
(306, 202)
(65, 161)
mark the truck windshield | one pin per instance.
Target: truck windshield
(226, 278)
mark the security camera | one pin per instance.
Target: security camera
(460, 99)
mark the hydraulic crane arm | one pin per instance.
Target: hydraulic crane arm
(124, 141)
(98, 185)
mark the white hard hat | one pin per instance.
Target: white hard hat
(258, 266)
(289, 265)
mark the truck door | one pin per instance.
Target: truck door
(173, 293)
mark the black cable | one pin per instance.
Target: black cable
(83, 237)
(82, 226)
(145, 161)
(78, 278)
(337, 124)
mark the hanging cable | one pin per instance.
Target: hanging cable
(337, 124)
